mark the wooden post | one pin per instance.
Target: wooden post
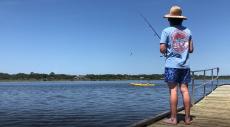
(217, 76)
(212, 80)
(193, 89)
(204, 84)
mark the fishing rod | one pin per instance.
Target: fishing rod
(151, 27)
(154, 31)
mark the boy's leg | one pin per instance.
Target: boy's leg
(171, 77)
(173, 100)
(173, 104)
(186, 100)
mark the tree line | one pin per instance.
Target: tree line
(35, 76)
(55, 77)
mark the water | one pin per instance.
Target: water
(80, 104)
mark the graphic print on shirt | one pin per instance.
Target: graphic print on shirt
(179, 41)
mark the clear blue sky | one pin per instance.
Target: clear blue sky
(97, 36)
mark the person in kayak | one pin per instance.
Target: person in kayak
(176, 43)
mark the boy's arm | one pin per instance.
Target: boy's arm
(191, 46)
(163, 42)
(163, 48)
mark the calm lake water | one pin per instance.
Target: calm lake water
(81, 103)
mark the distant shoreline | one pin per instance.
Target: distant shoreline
(6, 81)
(1, 81)
(65, 77)
(52, 77)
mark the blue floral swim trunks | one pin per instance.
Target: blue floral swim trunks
(177, 75)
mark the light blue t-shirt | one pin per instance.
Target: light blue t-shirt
(177, 41)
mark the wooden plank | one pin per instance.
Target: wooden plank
(212, 111)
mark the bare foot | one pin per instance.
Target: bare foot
(171, 121)
(187, 121)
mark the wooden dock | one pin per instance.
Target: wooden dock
(212, 111)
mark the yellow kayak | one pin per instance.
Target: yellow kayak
(142, 84)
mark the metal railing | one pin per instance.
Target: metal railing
(207, 80)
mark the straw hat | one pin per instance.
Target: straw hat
(175, 12)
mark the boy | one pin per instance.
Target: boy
(176, 43)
